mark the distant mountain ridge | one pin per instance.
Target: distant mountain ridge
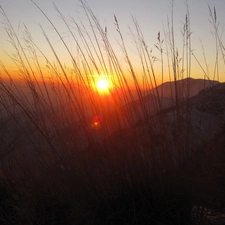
(186, 88)
(165, 98)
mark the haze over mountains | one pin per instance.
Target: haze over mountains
(164, 96)
(203, 111)
(206, 111)
(186, 88)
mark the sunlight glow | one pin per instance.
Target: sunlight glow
(103, 85)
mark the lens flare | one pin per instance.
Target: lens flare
(96, 122)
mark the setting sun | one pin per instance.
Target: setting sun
(103, 85)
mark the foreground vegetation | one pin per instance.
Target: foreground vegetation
(59, 165)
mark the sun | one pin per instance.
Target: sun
(103, 85)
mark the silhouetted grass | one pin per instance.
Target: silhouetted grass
(59, 168)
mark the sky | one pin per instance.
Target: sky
(151, 15)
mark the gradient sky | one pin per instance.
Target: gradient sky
(150, 14)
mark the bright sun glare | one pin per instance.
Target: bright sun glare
(103, 85)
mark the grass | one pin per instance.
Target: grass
(56, 168)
